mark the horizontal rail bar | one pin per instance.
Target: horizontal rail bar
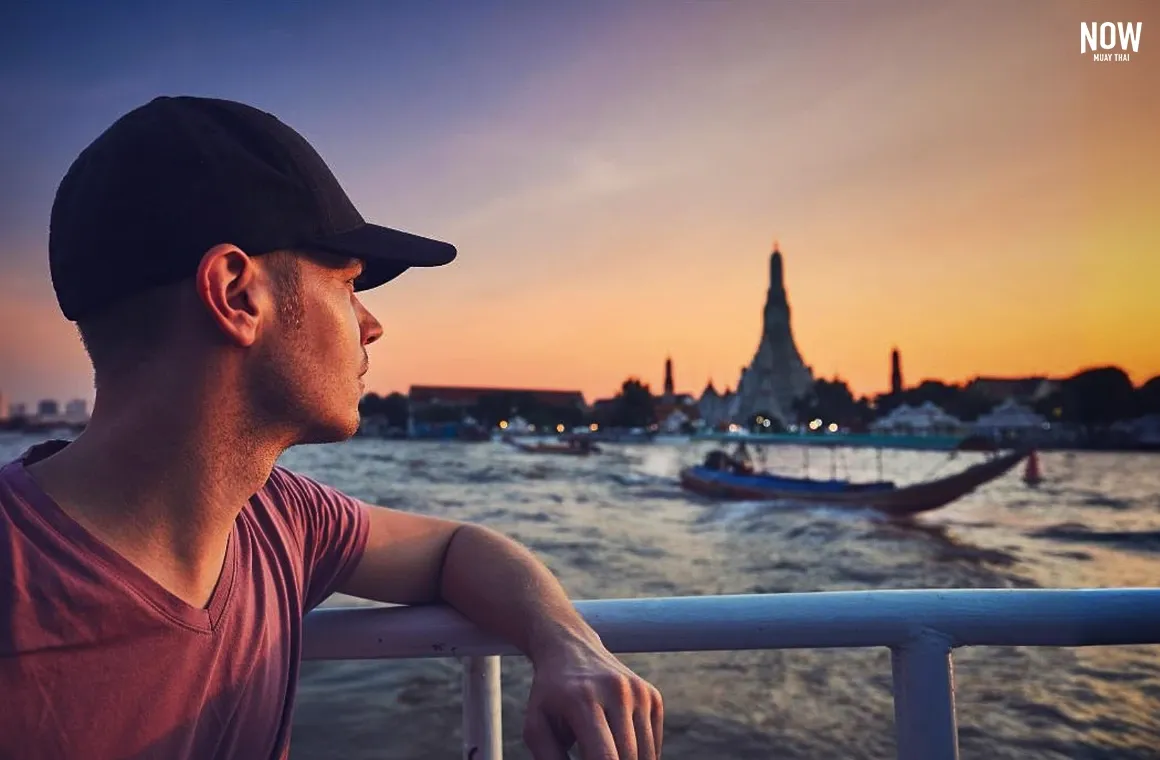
(827, 619)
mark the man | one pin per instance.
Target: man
(742, 460)
(155, 571)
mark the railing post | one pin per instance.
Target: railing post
(482, 731)
(924, 699)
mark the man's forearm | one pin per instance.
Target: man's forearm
(501, 587)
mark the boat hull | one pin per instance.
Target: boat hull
(551, 448)
(885, 497)
(562, 449)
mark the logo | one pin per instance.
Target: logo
(1102, 39)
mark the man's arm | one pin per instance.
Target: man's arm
(580, 692)
(493, 581)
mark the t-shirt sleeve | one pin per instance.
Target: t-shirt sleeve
(332, 528)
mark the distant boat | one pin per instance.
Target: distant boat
(840, 440)
(576, 447)
(885, 496)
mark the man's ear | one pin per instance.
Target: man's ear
(236, 296)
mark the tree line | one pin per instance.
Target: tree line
(488, 411)
(1092, 399)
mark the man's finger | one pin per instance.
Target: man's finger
(657, 715)
(593, 734)
(620, 722)
(541, 741)
(645, 743)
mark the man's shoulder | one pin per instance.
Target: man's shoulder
(31, 454)
(300, 495)
(17, 488)
(286, 484)
(284, 493)
(281, 480)
(329, 527)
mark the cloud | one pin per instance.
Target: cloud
(564, 178)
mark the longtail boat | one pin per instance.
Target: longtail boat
(574, 447)
(882, 495)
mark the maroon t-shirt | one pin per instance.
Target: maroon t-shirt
(98, 661)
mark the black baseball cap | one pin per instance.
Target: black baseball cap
(169, 180)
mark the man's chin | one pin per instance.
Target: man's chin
(331, 431)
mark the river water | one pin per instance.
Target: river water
(617, 525)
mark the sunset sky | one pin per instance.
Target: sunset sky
(955, 179)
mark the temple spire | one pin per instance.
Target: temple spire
(896, 371)
(777, 376)
(776, 272)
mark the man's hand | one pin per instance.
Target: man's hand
(583, 695)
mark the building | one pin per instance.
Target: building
(1143, 432)
(465, 397)
(3, 407)
(927, 419)
(47, 410)
(1000, 389)
(673, 416)
(777, 376)
(603, 409)
(677, 419)
(674, 411)
(716, 409)
(1008, 418)
(896, 386)
(76, 412)
(483, 407)
(669, 385)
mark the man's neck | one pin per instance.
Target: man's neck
(162, 487)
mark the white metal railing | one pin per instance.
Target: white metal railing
(920, 628)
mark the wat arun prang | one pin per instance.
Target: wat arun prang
(777, 376)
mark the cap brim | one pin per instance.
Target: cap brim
(386, 253)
